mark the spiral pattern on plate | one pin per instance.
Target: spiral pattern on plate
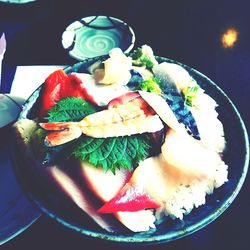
(92, 43)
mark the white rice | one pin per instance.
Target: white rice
(185, 197)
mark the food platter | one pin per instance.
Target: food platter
(65, 212)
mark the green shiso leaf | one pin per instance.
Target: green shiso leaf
(115, 152)
(70, 109)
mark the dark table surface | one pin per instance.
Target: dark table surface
(187, 31)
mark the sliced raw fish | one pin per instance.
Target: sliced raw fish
(100, 94)
(173, 74)
(173, 79)
(187, 158)
(105, 185)
(181, 176)
(212, 132)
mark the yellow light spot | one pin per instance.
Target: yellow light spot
(229, 38)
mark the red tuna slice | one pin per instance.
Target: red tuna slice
(116, 190)
(106, 185)
(51, 90)
(59, 85)
(148, 187)
(73, 87)
(131, 198)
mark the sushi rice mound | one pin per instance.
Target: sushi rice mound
(189, 195)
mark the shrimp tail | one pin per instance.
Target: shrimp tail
(63, 132)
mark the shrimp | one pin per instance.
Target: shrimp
(126, 119)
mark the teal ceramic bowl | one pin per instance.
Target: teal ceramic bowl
(236, 156)
(97, 35)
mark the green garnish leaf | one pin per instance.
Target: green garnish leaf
(70, 109)
(115, 152)
(151, 85)
(190, 93)
(143, 57)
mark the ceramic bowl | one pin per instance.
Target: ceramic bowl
(236, 156)
(97, 35)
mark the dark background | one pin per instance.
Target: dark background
(187, 31)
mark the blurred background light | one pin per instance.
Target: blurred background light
(229, 38)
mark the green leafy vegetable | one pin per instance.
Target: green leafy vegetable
(190, 93)
(151, 85)
(70, 109)
(144, 57)
(114, 153)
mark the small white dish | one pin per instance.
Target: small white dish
(97, 35)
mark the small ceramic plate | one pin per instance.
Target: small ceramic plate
(16, 212)
(96, 35)
(17, 1)
(10, 107)
(61, 209)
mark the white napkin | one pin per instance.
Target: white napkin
(2, 51)
(28, 78)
